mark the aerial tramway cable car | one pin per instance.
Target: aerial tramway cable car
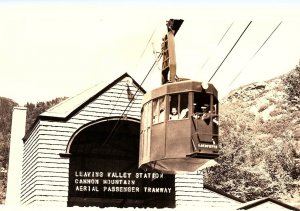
(179, 121)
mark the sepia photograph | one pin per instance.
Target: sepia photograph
(135, 105)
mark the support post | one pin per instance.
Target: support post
(14, 175)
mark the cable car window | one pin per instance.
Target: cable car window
(202, 107)
(178, 102)
(174, 107)
(142, 118)
(201, 103)
(162, 109)
(214, 113)
(184, 102)
(155, 112)
(145, 132)
(159, 107)
(146, 113)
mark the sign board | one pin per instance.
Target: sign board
(107, 175)
(137, 188)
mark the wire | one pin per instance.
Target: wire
(254, 55)
(143, 52)
(230, 51)
(138, 89)
(140, 58)
(155, 63)
(208, 58)
(225, 34)
(111, 111)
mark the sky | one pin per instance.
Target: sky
(52, 49)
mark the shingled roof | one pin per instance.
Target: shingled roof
(67, 108)
(256, 203)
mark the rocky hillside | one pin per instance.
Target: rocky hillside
(260, 131)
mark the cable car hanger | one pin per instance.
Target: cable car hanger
(168, 52)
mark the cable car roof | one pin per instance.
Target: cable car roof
(180, 87)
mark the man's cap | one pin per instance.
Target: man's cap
(205, 106)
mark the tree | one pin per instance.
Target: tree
(292, 83)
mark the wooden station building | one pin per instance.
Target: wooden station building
(85, 152)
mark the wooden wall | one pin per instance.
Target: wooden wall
(191, 192)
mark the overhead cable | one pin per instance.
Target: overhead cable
(130, 102)
(254, 55)
(143, 52)
(230, 51)
(208, 58)
(140, 58)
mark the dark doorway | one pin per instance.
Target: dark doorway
(104, 170)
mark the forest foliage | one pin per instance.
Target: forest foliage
(34, 110)
(292, 83)
(6, 106)
(6, 109)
